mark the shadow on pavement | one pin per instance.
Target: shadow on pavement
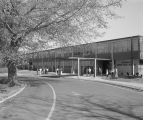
(36, 81)
(32, 82)
(52, 76)
(99, 109)
(56, 76)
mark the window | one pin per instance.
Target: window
(141, 62)
(135, 44)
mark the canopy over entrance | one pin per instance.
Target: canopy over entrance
(98, 65)
(81, 58)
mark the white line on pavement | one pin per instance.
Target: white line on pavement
(13, 95)
(54, 103)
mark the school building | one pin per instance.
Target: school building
(125, 54)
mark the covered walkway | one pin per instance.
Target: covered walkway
(95, 64)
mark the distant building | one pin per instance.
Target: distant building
(125, 54)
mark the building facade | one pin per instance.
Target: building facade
(125, 54)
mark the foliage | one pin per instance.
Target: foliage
(50, 21)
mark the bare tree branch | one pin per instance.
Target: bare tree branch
(31, 9)
(64, 16)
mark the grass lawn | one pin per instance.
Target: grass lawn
(3, 70)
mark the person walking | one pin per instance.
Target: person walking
(89, 71)
(57, 71)
(86, 71)
(116, 73)
(107, 72)
(37, 71)
(100, 71)
(47, 70)
(40, 71)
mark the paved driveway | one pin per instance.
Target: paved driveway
(76, 100)
(87, 100)
(34, 103)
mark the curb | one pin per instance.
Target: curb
(121, 85)
(13, 94)
(139, 87)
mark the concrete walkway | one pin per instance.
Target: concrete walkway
(136, 84)
(131, 85)
(128, 83)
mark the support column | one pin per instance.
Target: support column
(78, 64)
(63, 65)
(112, 58)
(54, 63)
(55, 66)
(132, 59)
(133, 67)
(95, 67)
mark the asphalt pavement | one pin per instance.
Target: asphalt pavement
(34, 103)
(136, 84)
(77, 98)
(132, 84)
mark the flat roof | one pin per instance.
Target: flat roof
(86, 44)
(88, 58)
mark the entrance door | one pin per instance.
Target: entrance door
(105, 66)
(102, 66)
(86, 64)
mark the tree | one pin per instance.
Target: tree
(59, 21)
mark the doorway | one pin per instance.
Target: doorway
(102, 66)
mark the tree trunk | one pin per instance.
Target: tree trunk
(12, 74)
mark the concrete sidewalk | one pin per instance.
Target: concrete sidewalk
(131, 85)
(127, 83)
(136, 84)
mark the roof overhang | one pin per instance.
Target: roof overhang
(81, 58)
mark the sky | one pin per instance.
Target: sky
(130, 23)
